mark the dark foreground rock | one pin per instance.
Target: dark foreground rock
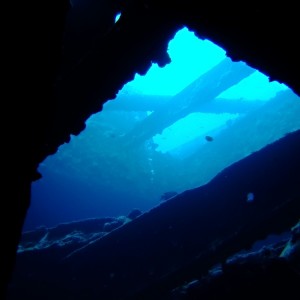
(180, 241)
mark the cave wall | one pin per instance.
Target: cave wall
(63, 60)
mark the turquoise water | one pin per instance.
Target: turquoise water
(165, 131)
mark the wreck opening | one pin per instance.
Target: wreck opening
(163, 136)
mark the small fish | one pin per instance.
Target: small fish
(209, 138)
(250, 197)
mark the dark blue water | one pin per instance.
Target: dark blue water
(58, 199)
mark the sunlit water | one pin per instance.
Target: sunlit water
(109, 169)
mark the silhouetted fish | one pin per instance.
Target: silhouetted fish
(250, 197)
(209, 138)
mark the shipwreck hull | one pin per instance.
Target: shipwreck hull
(177, 241)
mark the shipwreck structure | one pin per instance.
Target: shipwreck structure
(65, 60)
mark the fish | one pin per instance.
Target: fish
(250, 197)
(209, 138)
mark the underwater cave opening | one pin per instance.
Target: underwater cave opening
(171, 130)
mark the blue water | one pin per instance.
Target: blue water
(97, 174)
